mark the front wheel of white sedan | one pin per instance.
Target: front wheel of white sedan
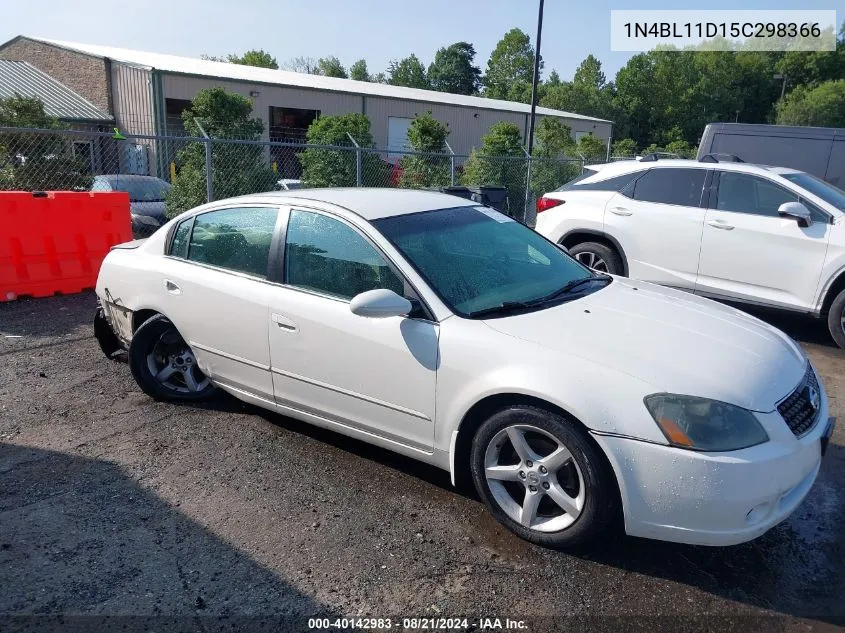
(163, 364)
(542, 477)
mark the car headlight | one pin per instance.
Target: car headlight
(701, 424)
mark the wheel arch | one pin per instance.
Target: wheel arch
(833, 288)
(481, 410)
(577, 236)
(142, 315)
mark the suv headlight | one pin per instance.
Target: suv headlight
(701, 424)
(144, 219)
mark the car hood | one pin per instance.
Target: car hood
(152, 209)
(675, 341)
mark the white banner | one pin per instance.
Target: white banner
(770, 30)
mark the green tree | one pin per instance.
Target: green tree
(408, 72)
(554, 146)
(822, 106)
(37, 162)
(592, 147)
(500, 162)
(358, 71)
(453, 70)
(331, 67)
(553, 80)
(260, 58)
(624, 147)
(426, 135)
(236, 169)
(336, 167)
(510, 69)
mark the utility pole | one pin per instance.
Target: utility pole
(536, 80)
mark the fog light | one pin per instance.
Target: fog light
(758, 513)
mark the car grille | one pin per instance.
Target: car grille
(797, 409)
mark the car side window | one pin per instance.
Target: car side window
(617, 183)
(328, 256)
(179, 243)
(236, 239)
(677, 186)
(744, 193)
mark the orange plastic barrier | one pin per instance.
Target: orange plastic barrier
(55, 242)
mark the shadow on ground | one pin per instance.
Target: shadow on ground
(79, 536)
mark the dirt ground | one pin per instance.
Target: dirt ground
(223, 516)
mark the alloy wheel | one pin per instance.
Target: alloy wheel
(534, 478)
(593, 261)
(173, 365)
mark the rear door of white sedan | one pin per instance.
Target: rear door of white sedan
(373, 374)
(214, 288)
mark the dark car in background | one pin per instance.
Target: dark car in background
(146, 199)
(816, 150)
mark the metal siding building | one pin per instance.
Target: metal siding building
(147, 92)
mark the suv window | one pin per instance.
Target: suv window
(669, 185)
(328, 256)
(617, 183)
(745, 193)
(235, 239)
(179, 243)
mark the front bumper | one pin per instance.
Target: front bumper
(677, 495)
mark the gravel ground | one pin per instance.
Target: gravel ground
(114, 505)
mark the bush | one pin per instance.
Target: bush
(236, 169)
(426, 134)
(326, 167)
(501, 161)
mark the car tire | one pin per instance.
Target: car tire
(164, 365)
(836, 319)
(582, 474)
(598, 257)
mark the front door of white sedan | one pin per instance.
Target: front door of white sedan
(658, 222)
(374, 374)
(749, 252)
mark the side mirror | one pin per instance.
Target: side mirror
(797, 211)
(379, 304)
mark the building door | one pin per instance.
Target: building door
(397, 136)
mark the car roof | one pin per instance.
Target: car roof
(626, 166)
(370, 203)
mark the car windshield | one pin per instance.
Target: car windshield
(140, 189)
(824, 190)
(483, 263)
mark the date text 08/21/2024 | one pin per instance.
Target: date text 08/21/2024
(422, 624)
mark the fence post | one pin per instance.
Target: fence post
(358, 162)
(209, 187)
(451, 163)
(607, 160)
(527, 202)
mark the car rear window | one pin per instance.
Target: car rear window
(616, 183)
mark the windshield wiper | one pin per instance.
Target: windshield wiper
(511, 306)
(569, 287)
(502, 308)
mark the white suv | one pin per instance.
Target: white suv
(767, 236)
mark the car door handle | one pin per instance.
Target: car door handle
(720, 224)
(172, 288)
(620, 211)
(283, 322)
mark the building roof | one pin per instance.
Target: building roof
(59, 101)
(252, 74)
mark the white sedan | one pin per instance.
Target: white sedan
(446, 331)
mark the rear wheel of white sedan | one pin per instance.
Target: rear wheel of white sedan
(542, 477)
(163, 364)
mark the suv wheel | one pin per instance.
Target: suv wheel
(597, 256)
(836, 319)
(542, 477)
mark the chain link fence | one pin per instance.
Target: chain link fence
(166, 175)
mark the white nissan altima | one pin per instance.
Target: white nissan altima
(446, 331)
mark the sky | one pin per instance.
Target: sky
(376, 30)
